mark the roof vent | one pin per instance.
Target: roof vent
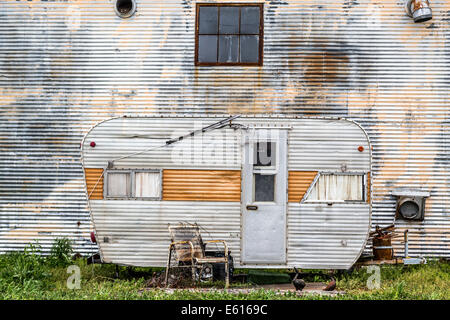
(125, 8)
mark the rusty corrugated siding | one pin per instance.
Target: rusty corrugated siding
(202, 185)
(363, 59)
(298, 184)
(94, 183)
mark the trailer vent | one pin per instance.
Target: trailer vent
(125, 8)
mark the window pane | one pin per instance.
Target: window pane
(249, 49)
(228, 48)
(118, 184)
(229, 20)
(250, 20)
(207, 48)
(338, 187)
(208, 20)
(264, 187)
(264, 153)
(147, 184)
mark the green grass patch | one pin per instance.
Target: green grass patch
(30, 275)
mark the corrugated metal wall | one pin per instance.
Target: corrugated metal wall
(65, 65)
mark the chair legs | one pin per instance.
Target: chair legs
(166, 278)
(227, 274)
(194, 267)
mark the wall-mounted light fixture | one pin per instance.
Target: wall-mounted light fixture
(419, 10)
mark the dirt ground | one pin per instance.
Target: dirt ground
(312, 288)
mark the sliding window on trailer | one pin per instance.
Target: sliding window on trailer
(138, 184)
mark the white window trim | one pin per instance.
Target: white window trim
(320, 173)
(132, 186)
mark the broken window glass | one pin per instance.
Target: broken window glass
(228, 48)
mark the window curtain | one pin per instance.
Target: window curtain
(148, 184)
(338, 187)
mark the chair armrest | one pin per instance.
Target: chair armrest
(217, 241)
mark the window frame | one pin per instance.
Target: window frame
(323, 173)
(132, 186)
(268, 173)
(261, 34)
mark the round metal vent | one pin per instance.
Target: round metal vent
(125, 8)
(409, 208)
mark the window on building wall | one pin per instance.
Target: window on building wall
(338, 187)
(229, 34)
(133, 184)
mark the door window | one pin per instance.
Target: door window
(264, 187)
(265, 154)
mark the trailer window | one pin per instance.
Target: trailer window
(338, 187)
(148, 185)
(264, 187)
(265, 154)
(229, 34)
(118, 184)
(133, 184)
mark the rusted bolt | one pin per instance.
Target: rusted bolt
(93, 144)
(360, 148)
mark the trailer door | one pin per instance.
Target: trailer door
(264, 192)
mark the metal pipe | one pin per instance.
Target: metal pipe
(406, 243)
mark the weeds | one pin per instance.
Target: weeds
(29, 275)
(60, 253)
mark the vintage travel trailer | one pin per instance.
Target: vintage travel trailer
(317, 78)
(281, 191)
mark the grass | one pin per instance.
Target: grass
(29, 275)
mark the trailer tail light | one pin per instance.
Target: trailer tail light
(93, 239)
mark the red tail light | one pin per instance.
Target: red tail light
(93, 237)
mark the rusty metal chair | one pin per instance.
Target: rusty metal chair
(189, 251)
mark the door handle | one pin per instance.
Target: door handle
(252, 207)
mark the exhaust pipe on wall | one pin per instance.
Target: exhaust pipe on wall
(419, 10)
